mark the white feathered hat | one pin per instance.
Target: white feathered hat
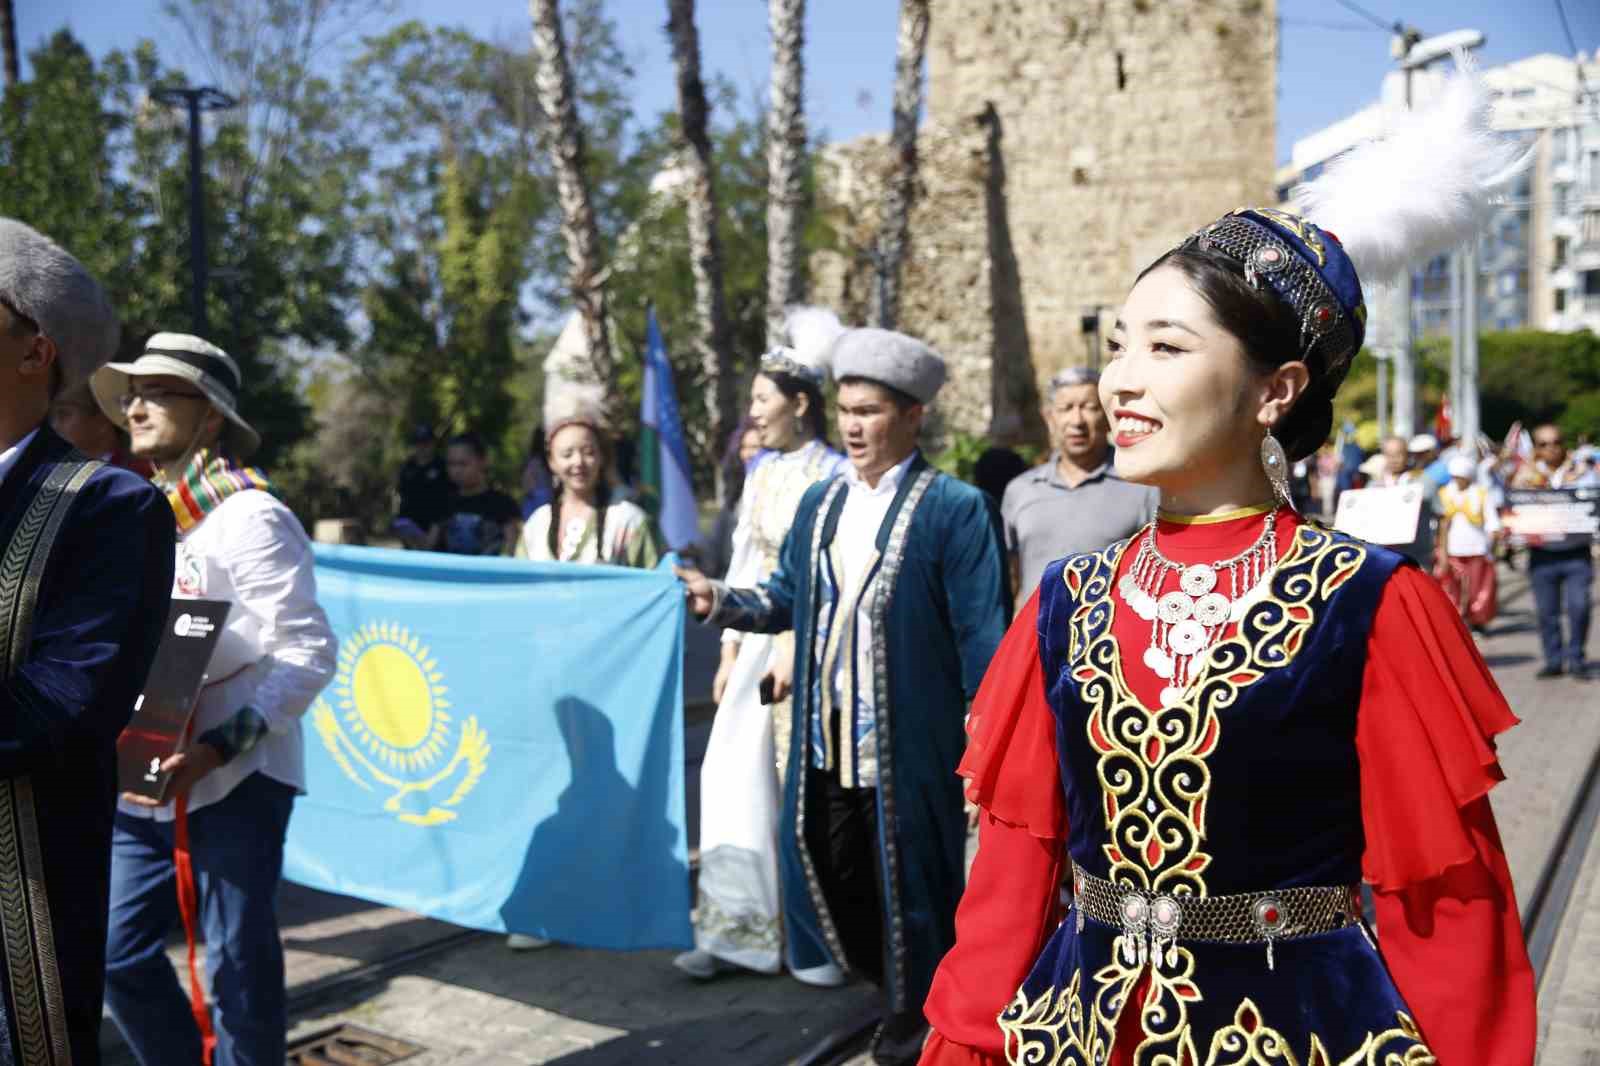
(809, 354)
(1425, 185)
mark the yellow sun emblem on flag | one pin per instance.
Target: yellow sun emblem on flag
(393, 725)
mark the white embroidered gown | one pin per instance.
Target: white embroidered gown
(738, 917)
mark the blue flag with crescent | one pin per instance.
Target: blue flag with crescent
(501, 747)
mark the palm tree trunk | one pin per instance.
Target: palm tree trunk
(912, 44)
(8, 42)
(786, 145)
(564, 136)
(714, 343)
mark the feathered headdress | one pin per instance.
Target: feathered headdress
(808, 355)
(572, 407)
(1424, 186)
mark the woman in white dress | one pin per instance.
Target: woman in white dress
(738, 920)
(584, 523)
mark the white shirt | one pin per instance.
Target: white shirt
(276, 652)
(854, 545)
(9, 457)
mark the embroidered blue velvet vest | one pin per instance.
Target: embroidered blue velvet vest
(1251, 784)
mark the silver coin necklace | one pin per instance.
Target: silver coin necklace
(1186, 621)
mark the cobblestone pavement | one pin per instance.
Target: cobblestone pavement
(480, 1003)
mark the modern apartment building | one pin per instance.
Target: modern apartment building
(1539, 256)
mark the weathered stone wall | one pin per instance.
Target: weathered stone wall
(1067, 143)
(950, 278)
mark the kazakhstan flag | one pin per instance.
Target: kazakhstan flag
(502, 746)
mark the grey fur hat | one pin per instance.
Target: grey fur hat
(40, 279)
(892, 359)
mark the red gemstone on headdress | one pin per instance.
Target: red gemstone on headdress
(1324, 315)
(1270, 916)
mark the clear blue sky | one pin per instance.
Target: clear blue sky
(1331, 60)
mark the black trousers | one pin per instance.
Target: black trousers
(842, 837)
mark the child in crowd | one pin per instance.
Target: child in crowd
(478, 519)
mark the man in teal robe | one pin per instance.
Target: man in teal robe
(893, 579)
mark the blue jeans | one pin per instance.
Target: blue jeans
(1561, 585)
(237, 847)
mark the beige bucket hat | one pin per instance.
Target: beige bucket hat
(197, 361)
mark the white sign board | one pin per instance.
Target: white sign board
(1382, 516)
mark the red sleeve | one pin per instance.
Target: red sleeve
(1012, 901)
(1010, 766)
(1447, 913)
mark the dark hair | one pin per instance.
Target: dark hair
(602, 497)
(792, 386)
(995, 469)
(1269, 330)
(903, 400)
(732, 466)
(538, 447)
(471, 441)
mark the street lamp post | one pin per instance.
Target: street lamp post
(196, 100)
(1415, 52)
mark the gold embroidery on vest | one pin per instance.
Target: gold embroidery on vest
(1057, 1030)
(1152, 765)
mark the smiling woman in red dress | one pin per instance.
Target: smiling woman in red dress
(1215, 731)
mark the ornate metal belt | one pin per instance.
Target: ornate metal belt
(1153, 922)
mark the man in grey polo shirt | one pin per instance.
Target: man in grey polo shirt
(1074, 502)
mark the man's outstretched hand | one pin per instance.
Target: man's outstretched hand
(696, 590)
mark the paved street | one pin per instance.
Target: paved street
(479, 1003)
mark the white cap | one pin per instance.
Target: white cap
(1423, 442)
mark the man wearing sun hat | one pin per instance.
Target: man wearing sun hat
(893, 578)
(85, 576)
(232, 788)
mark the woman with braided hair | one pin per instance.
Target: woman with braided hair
(584, 523)
(1216, 730)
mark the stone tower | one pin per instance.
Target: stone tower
(1066, 144)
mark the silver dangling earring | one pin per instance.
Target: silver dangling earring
(1276, 466)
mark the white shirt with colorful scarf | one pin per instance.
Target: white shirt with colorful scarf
(238, 543)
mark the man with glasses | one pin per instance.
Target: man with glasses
(1562, 578)
(85, 574)
(231, 790)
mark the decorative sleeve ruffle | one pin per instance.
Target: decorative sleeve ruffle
(1012, 901)
(1010, 767)
(1447, 914)
(1430, 710)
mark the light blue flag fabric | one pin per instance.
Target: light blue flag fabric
(665, 454)
(501, 747)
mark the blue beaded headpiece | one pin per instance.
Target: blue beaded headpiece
(1308, 268)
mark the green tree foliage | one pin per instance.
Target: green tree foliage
(448, 213)
(89, 159)
(383, 240)
(1526, 376)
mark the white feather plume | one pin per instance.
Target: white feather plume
(574, 402)
(812, 331)
(1427, 184)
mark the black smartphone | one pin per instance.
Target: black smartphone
(767, 698)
